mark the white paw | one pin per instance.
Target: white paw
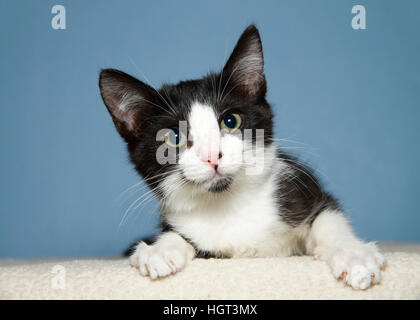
(158, 261)
(359, 267)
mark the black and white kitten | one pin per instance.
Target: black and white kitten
(225, 189)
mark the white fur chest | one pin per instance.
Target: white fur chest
(241, 223)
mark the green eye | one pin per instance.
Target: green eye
(231, 122)
(175, 138)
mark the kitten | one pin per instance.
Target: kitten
(225, 189)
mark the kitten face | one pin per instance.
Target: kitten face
(201, 131)
(212, 158)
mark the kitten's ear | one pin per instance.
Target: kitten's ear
(245, 66)
(129, 101)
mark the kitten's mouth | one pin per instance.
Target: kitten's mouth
(217, 183)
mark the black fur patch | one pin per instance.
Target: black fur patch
(301, 197)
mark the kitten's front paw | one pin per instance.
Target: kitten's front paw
(160, 261)
(359, 267)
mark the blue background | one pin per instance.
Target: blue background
(351, 97)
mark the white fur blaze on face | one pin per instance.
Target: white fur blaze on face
(210, 147)
(204, 131)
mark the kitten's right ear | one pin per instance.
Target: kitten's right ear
(245, 67)
(128, 100)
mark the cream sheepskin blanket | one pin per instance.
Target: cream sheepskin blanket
(273, 278)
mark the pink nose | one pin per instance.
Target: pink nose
(213, 164)
(214, 161)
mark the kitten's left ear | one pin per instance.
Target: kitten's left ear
(245, 66)
(128, 100)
